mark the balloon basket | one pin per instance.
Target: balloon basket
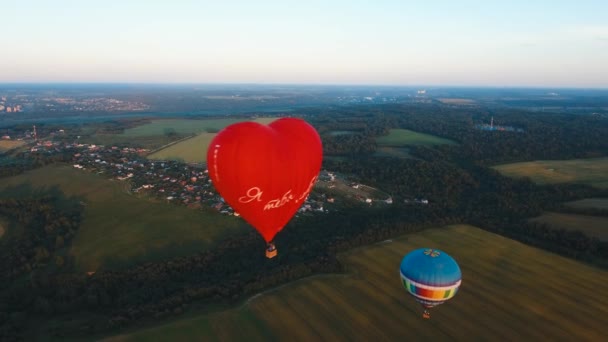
(271, 251)
(271, 254)
(426, 314)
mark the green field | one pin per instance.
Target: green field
(456, 101)
(119, 229)
(6, 145)
(149, 142)
(393, 152)
(597, 203)
(185, 126)
(193, 150)
(592, 171)
(596, 226)
(510, 292)
(336, 133)
(156, 134)
(404, 137)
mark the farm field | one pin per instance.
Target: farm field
(119, 229)
(186, 126)
(404, 137)
(6, 145)
(509, 290)
(149, 142)
(592, 171)
(343, 189)
(598, 203)
(193, 150)
(596, 226)
(393, 152)
(3, 226)
(336, 133)
(456, 101)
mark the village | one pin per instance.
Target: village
(186, 183)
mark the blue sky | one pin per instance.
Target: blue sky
(463, 43)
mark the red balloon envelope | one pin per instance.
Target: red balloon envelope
(264, 172)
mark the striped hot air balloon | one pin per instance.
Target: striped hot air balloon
(431, 276)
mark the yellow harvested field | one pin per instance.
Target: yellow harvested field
(592, 171)
(510, 292)
(6, 145)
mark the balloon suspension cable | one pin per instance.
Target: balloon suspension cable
(271, 250)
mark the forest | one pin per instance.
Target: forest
(456, 180)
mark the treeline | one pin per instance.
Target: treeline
(544, 136)
(481, 196)
(354, 134)
(583, 211)
(45, 225)
(11, 166)
(235, 268)
(14, 165)
(349, 144)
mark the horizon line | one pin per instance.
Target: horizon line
(39, 83)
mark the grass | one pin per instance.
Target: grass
(456, 101)
(509, 290)
(592, 171)
(596, 226)
(404, 137)
(119, 229)
(185, 126)
(6, 145)
(149, 142)
(193, 150)
(598, 203)
(336, 133)
(393, 152)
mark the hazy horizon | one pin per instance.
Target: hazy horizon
(385, 43)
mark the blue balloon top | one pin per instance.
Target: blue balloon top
(430, 267)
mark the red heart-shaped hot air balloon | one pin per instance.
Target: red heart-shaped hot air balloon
(264, 172)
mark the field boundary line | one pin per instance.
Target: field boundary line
(172, 143)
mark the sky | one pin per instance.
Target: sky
(533, 43)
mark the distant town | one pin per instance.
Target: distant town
(26, 103)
